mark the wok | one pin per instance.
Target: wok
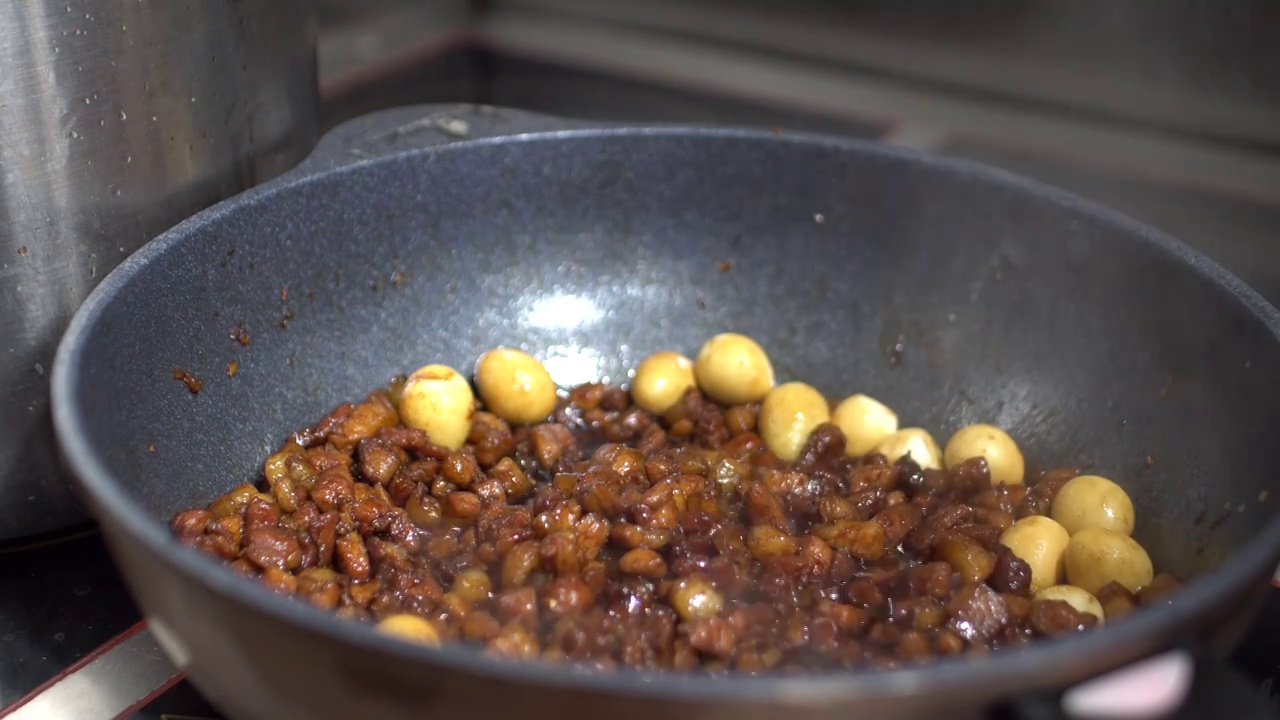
(953, 292)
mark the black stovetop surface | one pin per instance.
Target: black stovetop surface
(58, 603)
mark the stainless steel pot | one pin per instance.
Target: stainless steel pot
(117, 119)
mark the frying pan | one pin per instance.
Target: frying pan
(953, 292)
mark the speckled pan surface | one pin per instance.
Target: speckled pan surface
(432, 234)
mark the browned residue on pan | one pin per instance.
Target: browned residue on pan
(240, 335)
(192, 382)
(233, 368)
(726, 266)
(1220, 520)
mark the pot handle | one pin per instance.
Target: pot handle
(1217, 690)
(418, 127)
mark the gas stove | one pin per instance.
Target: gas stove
(72, 642)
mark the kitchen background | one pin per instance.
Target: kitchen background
(1167, 111)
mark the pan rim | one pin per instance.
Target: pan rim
(1039, 666)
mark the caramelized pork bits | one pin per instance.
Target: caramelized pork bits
(704, 518)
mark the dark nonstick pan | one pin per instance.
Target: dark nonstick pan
(432, 234)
